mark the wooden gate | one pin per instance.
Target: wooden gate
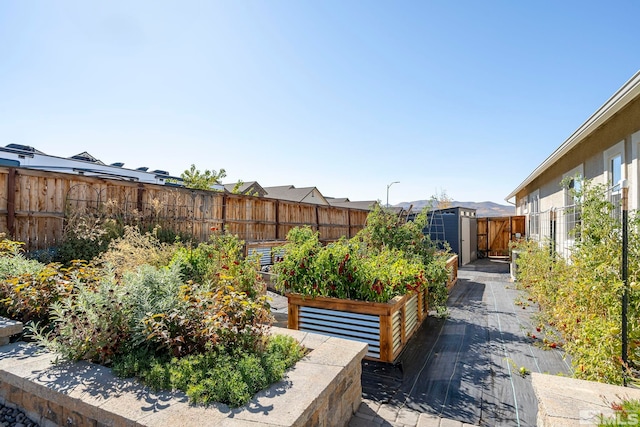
(495, 234)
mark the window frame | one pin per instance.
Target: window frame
(610, 154)
(533, 208)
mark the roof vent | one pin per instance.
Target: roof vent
(117, 164)
(21, 147)
(142, 168)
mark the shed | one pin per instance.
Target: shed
(458, 227)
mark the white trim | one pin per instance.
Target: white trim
(627, 93)
(578, 171)
(533, 195)
(634, 172)
(608, 155)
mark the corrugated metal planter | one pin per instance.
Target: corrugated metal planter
(385, 327)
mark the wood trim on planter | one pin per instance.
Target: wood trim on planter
(452, 264)
(385, 327)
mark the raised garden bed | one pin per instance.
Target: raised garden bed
(385, 327)
(322, 389)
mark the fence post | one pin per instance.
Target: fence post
(224, 213)
(277, 219)
(11, 203)
(140, 198)
(552, 232)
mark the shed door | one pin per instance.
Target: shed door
(465, 237)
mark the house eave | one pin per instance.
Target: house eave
(629, 91)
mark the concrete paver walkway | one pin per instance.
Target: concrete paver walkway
(372, 413)
(468, 369)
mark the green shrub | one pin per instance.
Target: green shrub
(209, 318)
(580, 298)
(28, 288)
(220, 375)
(384, 260)
(13, 265)
(134, 249)
(89, 324)
(208, 339)
(220, 262)
(151, 290)
(85, 237)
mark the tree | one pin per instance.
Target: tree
(196, 179)
(441, 200)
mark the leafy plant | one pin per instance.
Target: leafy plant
(220, 262)
(13, 262)
(626, 413)
(580, 298)
(89, 324)
(134, 249)
(223, 375)
(209, 318)
(209, 339)
(386, 259)
(202, 180)
(28, 288)
(85, 237)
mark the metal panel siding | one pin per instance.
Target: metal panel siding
(265, 255)
(411, 315)
(358, 327)
(452, 230)
(397, 330)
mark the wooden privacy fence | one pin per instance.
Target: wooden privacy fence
(35, 205)
(495, 234)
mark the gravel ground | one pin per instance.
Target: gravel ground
(13, 417)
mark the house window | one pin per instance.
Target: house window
(534, 213)
(572, 213)
(615, 167)
(614, 171)
(522, 206)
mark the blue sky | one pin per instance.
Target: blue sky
(466, 97)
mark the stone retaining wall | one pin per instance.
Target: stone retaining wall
(323, 389)
(565, 402)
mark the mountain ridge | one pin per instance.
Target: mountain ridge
(483, 209)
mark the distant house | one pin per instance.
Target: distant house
(605, 149)
(344, 202)
(17, 155)
(302, 195)
(251, 188)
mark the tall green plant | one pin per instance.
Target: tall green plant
(220, 262)
(580, 298)
(387, 258)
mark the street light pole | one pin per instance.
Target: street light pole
(389, 185)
